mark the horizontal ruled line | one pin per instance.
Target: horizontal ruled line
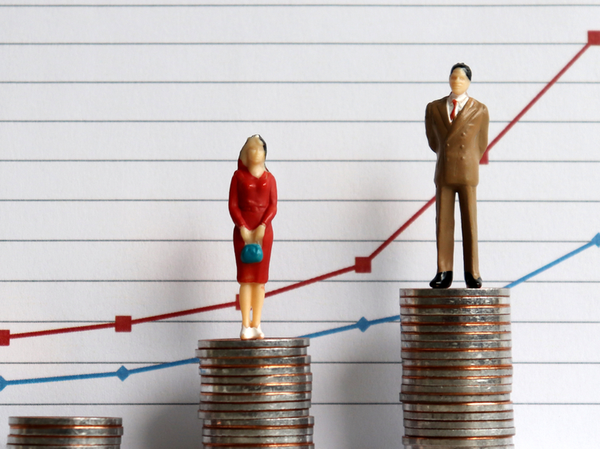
(274, 281)
(328, 82)
(195, 404)
(299, 5)
(290, 121)
(292, 161)
(295, 322)
(294, 44)
(326, 241)
(205, 200)
(551, 363)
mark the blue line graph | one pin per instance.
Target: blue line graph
(595, 241)
(362, 324)
(122, 374)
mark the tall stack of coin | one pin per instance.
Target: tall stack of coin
(65, 432)
(456, 368)
(255, 393)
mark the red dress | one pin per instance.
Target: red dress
(252, 202)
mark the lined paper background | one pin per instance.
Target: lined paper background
(120, 126)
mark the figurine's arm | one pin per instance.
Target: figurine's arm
(234, 209)
(483, 131)
(431, 134)
(272, 208)
(270, 212)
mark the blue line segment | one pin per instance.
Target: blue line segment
(595, 241)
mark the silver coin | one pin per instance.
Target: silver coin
(265, 406)
(275, 422)
(470, 407)
(251, 398)
(253, 415)
(264, 379)
(61, 446)
(454, 445)
(251, 352)
(454, 310)
(462, 328)
(449, 302)
(439, 424)
(455, 320)
(258, 432)
(261, 446)
(471, 432)
(457, 443)
(466, 416)
(456, 337)
(254, 343)
(473, 371)
(254, 362)
(447, 398)
(263, 440)
(258, 388)
(420, 354)
(58, 420)
(66, 431)
(255, 371)
(498, 363)
(452, 345)
(455, 390)
(456, 292)
(36, 440)
(471, 381)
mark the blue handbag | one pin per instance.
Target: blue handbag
(252, 253)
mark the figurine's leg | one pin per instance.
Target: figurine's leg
(245, 302)
(445, 227)
(258, 299)
(467, 198)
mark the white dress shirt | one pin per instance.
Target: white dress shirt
(461, 99)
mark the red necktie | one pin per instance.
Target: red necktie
(453, 113)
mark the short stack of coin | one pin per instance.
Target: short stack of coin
(65, 432)
(255, 393)
(456, 368)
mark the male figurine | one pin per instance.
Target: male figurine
(457, 131)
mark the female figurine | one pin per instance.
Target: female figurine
(252, 205)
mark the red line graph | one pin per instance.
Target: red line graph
(361, 265)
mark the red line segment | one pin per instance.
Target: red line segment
(401, 229)
(485, 157)
(184, 313)
(311, 281)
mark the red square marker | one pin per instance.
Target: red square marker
(594, 37)
(123, 324)
(4, 337)
(362, 264)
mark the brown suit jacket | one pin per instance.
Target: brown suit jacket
(459, 145)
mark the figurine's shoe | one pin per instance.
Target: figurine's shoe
(442, 280)
(247, 333)
(472, 282)
(258, 333)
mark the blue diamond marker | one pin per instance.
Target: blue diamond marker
(363, 324)
(122, 373)
(3, 383)
(596, 240)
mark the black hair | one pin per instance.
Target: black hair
(263, 143)
(464, 67)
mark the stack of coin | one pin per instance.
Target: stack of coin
(255, 393)
(456, 368)
(65, 432)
